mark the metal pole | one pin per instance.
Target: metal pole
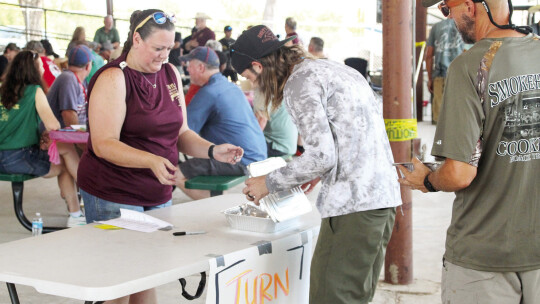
(414, 57)
(421, 20)
(13, 293)
(397, 79)
(26, 20)
(45, 21)
(109, 7)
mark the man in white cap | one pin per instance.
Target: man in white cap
(203, 33)
(488, 133)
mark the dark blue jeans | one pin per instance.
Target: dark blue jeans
(28, 160)
(97, 209)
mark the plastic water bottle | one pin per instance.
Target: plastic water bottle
(37, 225)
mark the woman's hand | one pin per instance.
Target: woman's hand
(227, 153)
(308, 187)
(255, 189)
(162, 168)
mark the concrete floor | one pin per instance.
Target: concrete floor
(431, 216)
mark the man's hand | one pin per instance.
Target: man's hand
(191, 44)
(414, 179)
(452, 176)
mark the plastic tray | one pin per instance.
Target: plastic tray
(256, 224)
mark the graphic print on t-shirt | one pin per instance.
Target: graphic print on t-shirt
(521, 136)
(173, 92)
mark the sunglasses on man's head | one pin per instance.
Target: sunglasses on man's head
(445, 6)
(159, 18)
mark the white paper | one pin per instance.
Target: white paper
(280, 275)
(138, 221)
(266, 166)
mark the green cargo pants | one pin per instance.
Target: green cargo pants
(349, 256)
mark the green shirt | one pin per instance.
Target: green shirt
(102, 37)
(19, 126)
(280, 131)
(97, 63)
(447, 45)
(490, 118)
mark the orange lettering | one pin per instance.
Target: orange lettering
(277, 281)
(237, 279)
(264, 294)
(254, 300)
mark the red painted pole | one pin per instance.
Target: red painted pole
(397, 83)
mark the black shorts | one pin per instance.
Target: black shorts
(201, 166)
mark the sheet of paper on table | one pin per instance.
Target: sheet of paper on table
(138, 221)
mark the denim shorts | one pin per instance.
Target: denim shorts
(28, 160)
(97, 209)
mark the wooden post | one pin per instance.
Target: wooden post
(110, 10)
(421, 23)
(397, 83)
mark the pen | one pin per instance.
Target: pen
(188, 233)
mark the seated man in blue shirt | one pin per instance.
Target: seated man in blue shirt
(67, 98)
(220, 113)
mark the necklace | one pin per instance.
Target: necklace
(155, 80)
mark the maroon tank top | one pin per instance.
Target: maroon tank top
(152, 123)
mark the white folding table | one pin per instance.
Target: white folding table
(91, 264)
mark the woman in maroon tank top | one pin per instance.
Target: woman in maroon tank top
(136, 115)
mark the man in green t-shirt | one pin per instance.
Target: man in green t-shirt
(108, 33)
(489, 134)
(443, 45)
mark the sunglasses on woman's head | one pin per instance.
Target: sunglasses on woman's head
(159, 18)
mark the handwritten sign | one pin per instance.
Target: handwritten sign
(269, 272)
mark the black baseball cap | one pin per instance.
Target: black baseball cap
(254, 44)
(227, 28)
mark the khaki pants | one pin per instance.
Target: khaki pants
(467, 286)
(436, 102)
(349, 256)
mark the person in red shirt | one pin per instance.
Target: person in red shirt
(290, 29)
(51, 70)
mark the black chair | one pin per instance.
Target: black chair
(17, 186)
(358, 64)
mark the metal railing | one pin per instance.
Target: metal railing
(45, 32)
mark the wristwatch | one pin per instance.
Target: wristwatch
(211, 152)
(428, 184)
